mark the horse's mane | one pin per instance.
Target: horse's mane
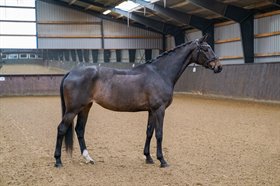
(169, 51)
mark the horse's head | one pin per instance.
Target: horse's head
(205, 56)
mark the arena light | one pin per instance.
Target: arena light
(127, 5)
(130, 6)
(106, 12)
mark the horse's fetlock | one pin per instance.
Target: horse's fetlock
(160, 158)
(146, 153)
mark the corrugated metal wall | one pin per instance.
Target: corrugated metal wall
(120, 36)
(267, 40)
(223, 49)
(228, 31)
(269, 44)
(51, 12)
(51, 34)
(73, 43)
(190, 36)
(117, 29)
(228, 49)
(54, 33)
(70, 30)
(132, 43)
(170, 42)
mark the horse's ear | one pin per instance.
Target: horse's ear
(203, 39)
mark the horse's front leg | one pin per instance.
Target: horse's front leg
(149, 133)
(159, 115)
(80, 131)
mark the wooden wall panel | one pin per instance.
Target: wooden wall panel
(255, 81)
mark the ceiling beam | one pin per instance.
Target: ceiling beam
(187, 19)
(258, 5)
(156, 25)
(276, 2)
(161, 27)
(184, 3)
(199, 23)
(72, 1)
(244, 17)
(164, 28)
(94, 3)
(89, 7)
(229, 11)
(230, 1)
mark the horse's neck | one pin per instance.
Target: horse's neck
(174, 64)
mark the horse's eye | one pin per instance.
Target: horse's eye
(205, 49)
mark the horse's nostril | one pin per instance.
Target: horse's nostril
(218, 69)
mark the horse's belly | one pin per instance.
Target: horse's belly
(119, 101)
(122, 93)
(123, 105)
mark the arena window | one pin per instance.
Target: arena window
(4, 56)
(17, 24)
(23, 56)
(32, 56)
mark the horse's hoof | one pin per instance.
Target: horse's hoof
(58, 165)
(164, 165)
(90, 161)
(150, 161)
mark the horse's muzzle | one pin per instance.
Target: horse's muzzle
(216, 66)
(218, 69)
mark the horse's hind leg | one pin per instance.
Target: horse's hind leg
(61, 131)
(80, 131)
(150, 131)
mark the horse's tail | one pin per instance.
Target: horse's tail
(63, 108)
(69, 133)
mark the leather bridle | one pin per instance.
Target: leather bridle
(206, 63)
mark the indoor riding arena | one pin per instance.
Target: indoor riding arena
(217, 61)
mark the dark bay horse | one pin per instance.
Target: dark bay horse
(147, 87)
